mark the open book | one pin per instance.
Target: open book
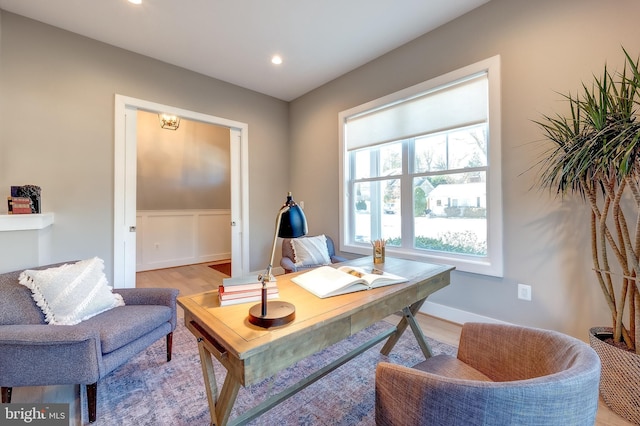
(326, 281)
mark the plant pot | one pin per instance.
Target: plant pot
(620, 375)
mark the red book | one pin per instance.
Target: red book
(248, 299)
(226, 294)
(19, 205)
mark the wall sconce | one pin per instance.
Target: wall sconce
(169, 122)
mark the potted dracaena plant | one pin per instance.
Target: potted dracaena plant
(595, 155)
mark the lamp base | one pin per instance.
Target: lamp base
(278, 313)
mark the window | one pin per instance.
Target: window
(421, 169)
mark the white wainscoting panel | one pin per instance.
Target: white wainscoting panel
(168, 238)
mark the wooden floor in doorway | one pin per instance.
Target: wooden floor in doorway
(223, 266)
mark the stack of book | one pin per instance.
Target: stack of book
(234, 291)
(21, 195)
(19, 205)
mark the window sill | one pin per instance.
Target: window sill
(481, 266)
(25, 222)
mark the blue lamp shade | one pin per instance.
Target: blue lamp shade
(293, 223)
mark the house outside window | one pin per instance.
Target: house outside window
(421, 169)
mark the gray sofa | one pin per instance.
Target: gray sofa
(502, 375)
(33, 353)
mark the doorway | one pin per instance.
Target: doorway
(126, 176)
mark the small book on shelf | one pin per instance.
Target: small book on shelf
(326, 281)
(19, 205)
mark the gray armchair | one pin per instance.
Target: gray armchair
(33, 353)
(503, 375)
(287, 261)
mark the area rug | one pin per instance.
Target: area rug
(149, 391)
(225, 268)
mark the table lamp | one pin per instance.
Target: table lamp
(290, 223)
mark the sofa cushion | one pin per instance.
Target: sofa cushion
(121, 325)
(310, 251)
(71, 293)
(448, 366)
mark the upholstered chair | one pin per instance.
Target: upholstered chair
(317, 250)
(502, 375)
(36, 353)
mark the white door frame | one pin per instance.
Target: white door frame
(124, 203)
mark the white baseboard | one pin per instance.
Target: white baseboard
(454, 315)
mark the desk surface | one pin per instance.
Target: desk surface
(252, 353)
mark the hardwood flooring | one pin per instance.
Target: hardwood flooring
(199, 278)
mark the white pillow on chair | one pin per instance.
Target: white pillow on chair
(310, 251)
(71, 293)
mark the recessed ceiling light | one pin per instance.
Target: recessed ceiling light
(276, 60)
(135, 1)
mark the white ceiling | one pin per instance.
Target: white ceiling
(233, 40)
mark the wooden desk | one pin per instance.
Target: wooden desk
(250, 353)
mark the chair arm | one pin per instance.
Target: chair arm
(151, 296)
(406, 396)
(148, 296)
(38, 355)
(338, 259)
(288, 264)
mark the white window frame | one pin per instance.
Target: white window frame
(492, 263)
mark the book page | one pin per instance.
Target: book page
(376, 278)
(327, 281)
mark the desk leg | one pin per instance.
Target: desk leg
(210, 384)
(409, 319)
(219, 407)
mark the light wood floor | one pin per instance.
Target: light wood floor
(198, 278)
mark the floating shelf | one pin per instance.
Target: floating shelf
(25, 222)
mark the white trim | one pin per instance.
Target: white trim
(454, 315)
(239, 207)
(493, 263)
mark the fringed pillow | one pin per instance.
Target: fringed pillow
(310, 251)
(71, 293)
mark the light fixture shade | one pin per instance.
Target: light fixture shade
(169, 122)
(293, 223)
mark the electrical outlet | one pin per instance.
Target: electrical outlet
(524, 292)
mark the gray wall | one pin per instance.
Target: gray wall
(546, 46)
(56, 130)
(57, 110)
(182, 169)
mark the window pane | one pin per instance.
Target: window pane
(362, 164)
(454, 217)
(467, 148)
(391, 215)
(362, 219)
(391, 159)
(430, 153)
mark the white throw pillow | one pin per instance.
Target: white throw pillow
(71, 293)
(310, 251)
